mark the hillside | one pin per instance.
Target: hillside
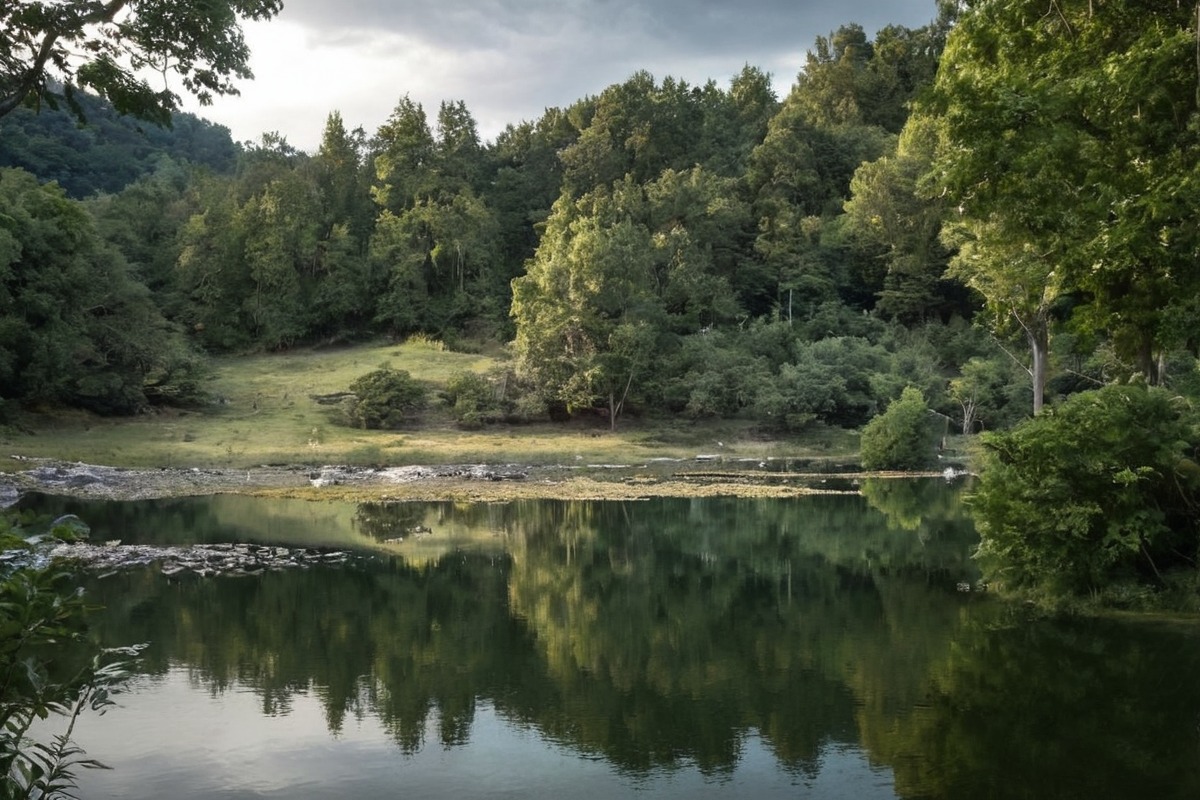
(110, 151)
(265, 409)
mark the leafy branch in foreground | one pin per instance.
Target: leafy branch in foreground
(40, 620)
(104, 46)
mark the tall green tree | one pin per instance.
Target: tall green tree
(527, 179)
(1072, 138)
(76, 327)
(887, 211)
(280, 254)
(210, 275)
(342, 179)
(849, 79)
(436, 240)
(638, 128)
(1021, 288)
(403, 150)
(735, 121)
(586, 310)
(458, 152)
(341, 300)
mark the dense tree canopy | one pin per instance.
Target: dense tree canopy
(111, 151)
(1072, 150)
(708, 251)
(78, 327)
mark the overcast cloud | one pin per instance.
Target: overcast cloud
(509, 60)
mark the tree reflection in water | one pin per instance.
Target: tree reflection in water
(664, 634)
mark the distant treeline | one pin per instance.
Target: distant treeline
(106, 152)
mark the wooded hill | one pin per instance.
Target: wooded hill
(104, 152)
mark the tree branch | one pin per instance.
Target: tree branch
(1017, 361)
(36, 71)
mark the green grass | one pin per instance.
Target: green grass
(263, 412)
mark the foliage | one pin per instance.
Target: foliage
(1071, 158)
(474, 399)
(714, 376)
(887, 215)
(830, 380)
(385, 398)
(49, 49)
(111, 151)
(584, 311)
(76, 324)
(659, 247)
(901, 437)
(40, 615)
(1101, 488)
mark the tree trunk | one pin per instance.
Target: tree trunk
(1039, 346)
(1148, 364)
(968, 417)
(615, 405)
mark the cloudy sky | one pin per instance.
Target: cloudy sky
(509, 60)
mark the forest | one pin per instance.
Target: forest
(692, 250)
(993, 215)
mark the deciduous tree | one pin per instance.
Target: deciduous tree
(48, 48)
(1073, 143)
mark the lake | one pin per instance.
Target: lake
(834, 646)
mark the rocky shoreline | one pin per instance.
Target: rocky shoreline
(471, 483)
(91, 481)
(203, 560)
(703, 476)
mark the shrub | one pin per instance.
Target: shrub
(902, 437)
(473, 400)
(385, 398)
(423, 341)
(42, 625)
(1099, 489)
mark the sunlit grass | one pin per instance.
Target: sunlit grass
(263, 411)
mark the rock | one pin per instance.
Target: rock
(336, 398)
(205, 560)
(8, 495)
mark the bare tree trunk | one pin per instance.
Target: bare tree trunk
(968, 417)
(615, 405)
(1039, 347)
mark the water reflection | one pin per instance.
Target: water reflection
(670, 646)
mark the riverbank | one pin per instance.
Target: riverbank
(706, 477)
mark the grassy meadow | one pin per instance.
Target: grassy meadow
(262, 411)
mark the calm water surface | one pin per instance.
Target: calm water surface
(817, 648)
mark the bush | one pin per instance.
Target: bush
(474, 400)
(385, 398)
(902, 437)
(1098, 490)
